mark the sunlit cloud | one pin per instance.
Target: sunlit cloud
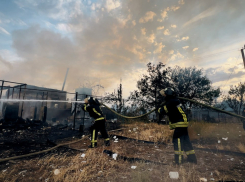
(160, 28)
(112, 4)
(185, 47)
(148, 17)
(166, 32)
(173, 26)
(143, 31)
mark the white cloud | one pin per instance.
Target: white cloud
(93, 6)
(63, 27)
(4, 31)
(209, 12)
(160, 28)
(9, 55)
(185, 47)
(148, 16)
(112, 4)
(166, 32)
(195, 49)
(173, 26)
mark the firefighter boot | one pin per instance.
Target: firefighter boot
(93, 145)
(192, 158)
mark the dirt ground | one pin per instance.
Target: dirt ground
(217, 161)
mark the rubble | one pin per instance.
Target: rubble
(56, 171)
(114, 156)
(174, 175)
(203, 180)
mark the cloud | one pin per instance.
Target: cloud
(4, 31)
(94, 44)
(148, 16)
(133, 22)
(181, 2)
(160, 28)
(174, 8)
(175, 56)
(185, 47)
(3, 62)
(151, 38)
(166, 32)
(159, 48)
(171, 52)
(185, 38)
(209, 12)
(195, 49)
(63, 27)
(182, 39)
(164, 14)
(143, 31)
(173, 26)
(229, 73)
(112, 4)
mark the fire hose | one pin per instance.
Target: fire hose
(126, 117)
(182, 98)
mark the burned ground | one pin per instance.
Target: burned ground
(224, 160)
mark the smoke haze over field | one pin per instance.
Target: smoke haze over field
(103, 41)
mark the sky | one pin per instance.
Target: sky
(104, 41)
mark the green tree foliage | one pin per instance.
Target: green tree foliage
(193, 84)
(235, 99)
(188, 82)
(147, 95)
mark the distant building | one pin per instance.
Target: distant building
(32, 110)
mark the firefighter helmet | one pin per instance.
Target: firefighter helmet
(168, 92)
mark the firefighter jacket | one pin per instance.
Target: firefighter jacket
(173, 109)
(94, 110)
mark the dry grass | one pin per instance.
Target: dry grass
(73, 168)
(241, 147)
(149, 132)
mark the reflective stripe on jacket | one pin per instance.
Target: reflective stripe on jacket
(173, 109)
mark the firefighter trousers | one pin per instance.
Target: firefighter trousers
(95, 128)
(183, 144)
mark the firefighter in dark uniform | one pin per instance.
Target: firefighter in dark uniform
(177, 121)
(92, 106)
(243, 121)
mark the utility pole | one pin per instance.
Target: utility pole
(243, 57)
